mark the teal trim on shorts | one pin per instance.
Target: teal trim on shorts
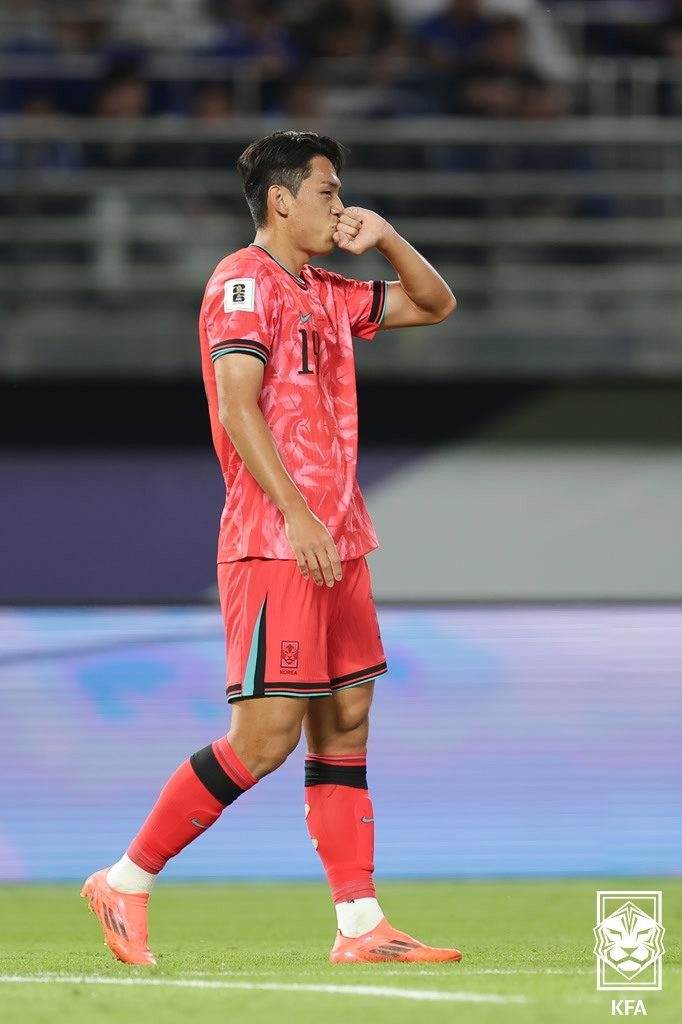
(292, 693)
(361, 682)
(250, 673)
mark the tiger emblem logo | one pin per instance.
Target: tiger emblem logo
(629, 941)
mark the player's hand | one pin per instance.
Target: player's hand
(358, 230)
(314, 547)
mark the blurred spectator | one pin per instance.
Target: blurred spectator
(212, 102)
(300, 97)
(253, 35)
(541, 103)
(449, 39)
(366, 48)
(252, 30)
(72, 48)
(498, 84)
(670, 37)
(163, 24)
(52, 160)
(212, 105)
(349, 28)
(74, 34)
(627, 29)
(123, 96)
(37, 157)
(670, 46)
(362, 49)
(546, 48)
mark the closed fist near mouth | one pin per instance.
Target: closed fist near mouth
(358, 230)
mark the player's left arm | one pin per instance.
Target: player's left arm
(420, 296)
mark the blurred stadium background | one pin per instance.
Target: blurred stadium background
(523, 461)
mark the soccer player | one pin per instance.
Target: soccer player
(303, 643)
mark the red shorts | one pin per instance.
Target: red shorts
(287, 637)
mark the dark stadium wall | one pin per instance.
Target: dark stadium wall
(129, 413)
(104, 481)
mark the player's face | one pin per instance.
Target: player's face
(317, 208)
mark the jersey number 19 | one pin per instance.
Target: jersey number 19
(305, 368)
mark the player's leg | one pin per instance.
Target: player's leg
(260, 603)
(339, 811)
(262, 735)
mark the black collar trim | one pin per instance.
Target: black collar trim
(299, 280)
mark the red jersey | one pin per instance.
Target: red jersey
(301, 329)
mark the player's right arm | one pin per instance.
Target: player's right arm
(239, 378)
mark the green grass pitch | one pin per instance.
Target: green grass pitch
(252, 953)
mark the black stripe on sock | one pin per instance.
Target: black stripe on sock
(209, 772)
(317, 773)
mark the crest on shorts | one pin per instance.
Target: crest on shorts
(289, 654)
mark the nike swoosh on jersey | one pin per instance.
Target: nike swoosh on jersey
(197, 823)
(305, 317)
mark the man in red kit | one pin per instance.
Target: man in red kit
(303, 644)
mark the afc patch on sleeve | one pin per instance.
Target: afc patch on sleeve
(240, 294)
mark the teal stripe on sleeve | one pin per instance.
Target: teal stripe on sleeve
(246, 351)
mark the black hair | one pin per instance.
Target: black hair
(282, 158)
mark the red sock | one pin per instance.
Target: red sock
(340, 821)
(191, 801)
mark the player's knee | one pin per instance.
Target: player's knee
(267, 750)
(277, 751)
(352, 711)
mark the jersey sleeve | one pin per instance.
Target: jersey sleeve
(241, 312)
(366, 305)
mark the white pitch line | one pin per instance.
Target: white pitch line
(418, 995)
(406, 973)
(545, 970)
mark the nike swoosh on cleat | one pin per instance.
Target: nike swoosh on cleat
(367, 821)
(197, 823)
(305, 317)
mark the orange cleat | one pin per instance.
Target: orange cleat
(383, 944)
(123, 917)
